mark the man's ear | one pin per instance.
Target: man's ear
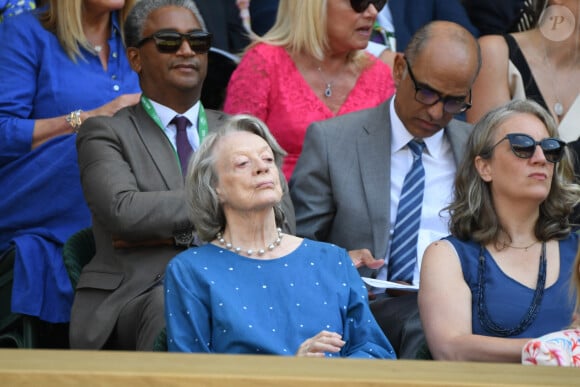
(134, 56)
(399, 68)
(483, 167)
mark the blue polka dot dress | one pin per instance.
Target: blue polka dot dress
(221, 302)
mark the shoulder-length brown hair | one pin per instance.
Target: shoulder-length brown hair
(473, 213)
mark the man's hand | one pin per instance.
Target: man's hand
(363, 257)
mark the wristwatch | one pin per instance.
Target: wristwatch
(184, 238)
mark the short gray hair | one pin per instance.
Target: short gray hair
(206, 210)
(140, 12)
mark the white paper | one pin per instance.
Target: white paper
(388, 284)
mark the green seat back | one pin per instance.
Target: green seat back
(78, 250)
(16, 330)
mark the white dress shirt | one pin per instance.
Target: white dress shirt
(440, 169)
(166, 114)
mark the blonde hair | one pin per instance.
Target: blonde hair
(301, 27)
(64, 19)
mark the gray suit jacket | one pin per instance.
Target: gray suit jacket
(341, 184)
(133, 185)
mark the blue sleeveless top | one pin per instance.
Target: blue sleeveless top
(508, 301)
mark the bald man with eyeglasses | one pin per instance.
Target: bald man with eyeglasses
(350, 185)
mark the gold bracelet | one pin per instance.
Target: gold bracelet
(74, 119)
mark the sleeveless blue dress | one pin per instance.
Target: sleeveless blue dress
(507, 301)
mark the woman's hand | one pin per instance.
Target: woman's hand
(323, 342)
(114, 106)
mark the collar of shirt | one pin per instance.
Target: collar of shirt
(400, 136)
(115, 28)
(166, 114)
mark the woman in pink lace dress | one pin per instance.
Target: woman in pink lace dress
(309, 67)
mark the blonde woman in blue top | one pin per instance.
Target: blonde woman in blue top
(253, 289)
(58, 65)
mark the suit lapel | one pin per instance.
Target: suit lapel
(159, 148)
(374, 153)
(458, 133)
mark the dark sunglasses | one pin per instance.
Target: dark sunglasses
(524, 146)
(360, 6)
(427, 96)
(170, 41)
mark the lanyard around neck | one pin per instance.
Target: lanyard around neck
(202, 126)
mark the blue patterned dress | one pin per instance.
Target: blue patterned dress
(218, 301)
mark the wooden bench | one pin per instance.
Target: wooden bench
(106, 368)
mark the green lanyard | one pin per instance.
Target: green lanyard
(202, 127)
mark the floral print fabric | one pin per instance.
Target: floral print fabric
(560, 348)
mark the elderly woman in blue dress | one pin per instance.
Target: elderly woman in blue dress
(503, 276)
(253, 289)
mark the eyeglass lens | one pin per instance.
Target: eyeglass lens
(524, 146)
(360, 6)
(452, 105)
(170, 41)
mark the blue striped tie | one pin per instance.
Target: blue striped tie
(404, 242)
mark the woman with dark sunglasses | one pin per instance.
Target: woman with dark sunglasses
(503, 275)
(310, 66)
(541, 64)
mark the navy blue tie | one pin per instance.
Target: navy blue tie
(184, 149)
(404, 243)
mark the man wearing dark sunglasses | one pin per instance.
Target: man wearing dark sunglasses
(349, 179)
(131, 171)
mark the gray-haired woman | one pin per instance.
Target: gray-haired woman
(253, 289)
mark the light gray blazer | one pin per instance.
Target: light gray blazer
(340, 186)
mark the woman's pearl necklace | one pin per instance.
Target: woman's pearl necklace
(220, 237)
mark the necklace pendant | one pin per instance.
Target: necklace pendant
(558, 108)
(328, 90)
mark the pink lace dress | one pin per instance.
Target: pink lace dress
(268, 85)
